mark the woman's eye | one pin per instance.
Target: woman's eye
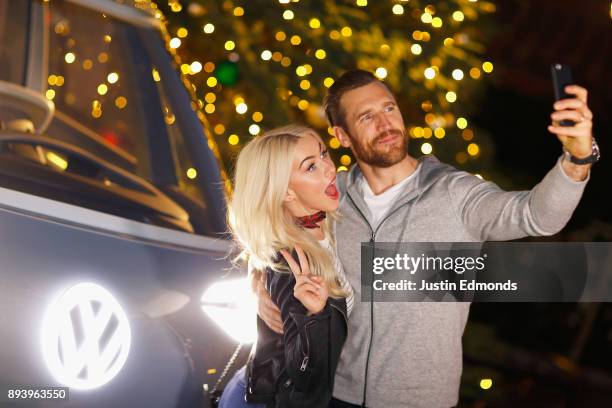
(389, 108)
(324, 153)
(311, 167)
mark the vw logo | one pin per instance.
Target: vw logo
(85, 337)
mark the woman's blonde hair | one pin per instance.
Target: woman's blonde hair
(256, 216)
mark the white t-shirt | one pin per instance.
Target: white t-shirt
(380, 204)
(350, 299)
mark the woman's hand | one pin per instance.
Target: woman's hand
(310, 290)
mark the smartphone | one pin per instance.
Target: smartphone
(561, 77)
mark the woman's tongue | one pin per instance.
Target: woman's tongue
(331, 191)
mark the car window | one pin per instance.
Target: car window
(13, 19)
(94, 78)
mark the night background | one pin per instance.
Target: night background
(473, 81)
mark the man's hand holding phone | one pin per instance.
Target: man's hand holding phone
(571, 109)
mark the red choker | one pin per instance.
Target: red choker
(310, 221)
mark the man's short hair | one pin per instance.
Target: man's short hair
(355, 78)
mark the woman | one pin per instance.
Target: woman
(284, 189)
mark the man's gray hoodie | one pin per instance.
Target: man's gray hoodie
(415, 357)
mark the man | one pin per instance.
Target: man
(409, 354)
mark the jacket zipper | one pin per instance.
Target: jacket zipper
(372, 240)
(307, 352)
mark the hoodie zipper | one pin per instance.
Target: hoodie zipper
(372, 240)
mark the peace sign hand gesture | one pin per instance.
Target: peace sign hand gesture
(310, 290)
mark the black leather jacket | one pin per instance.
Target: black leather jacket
(296, 369)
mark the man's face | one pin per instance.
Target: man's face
(375, 128)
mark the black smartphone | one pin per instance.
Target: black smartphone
(562, 76)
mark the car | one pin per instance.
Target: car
(112, 212)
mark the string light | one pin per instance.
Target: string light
(451, 96)
(266, 55)
(233, 140)
(219, 129)
(112, 78)
(381, 73)
(416, 49)
(254, 129)
(398, 9)
(327, 82)
(486, 383)
(182, 32)
(473, 149)
(426, 148)
(320, 54)
(457, 74)
(196, 67)
(334, 34)
(230, 45)
(430, 73)
(458, 16)
(487, 67)
(69, 57)
(241, 108)
(209, 28)
(462, 123)
(314, 23)
(426, 18)
(191, 173)
(120, 102)
(334, 143)
(288, 15)
(175, 43)
(439, 133)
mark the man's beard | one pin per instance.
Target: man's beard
(375, 155)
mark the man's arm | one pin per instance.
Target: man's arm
(266, 309)
(489, 213)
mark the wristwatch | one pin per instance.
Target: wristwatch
(593, 158)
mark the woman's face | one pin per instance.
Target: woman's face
(312, 183)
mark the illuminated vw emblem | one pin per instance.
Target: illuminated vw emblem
(85, 337)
